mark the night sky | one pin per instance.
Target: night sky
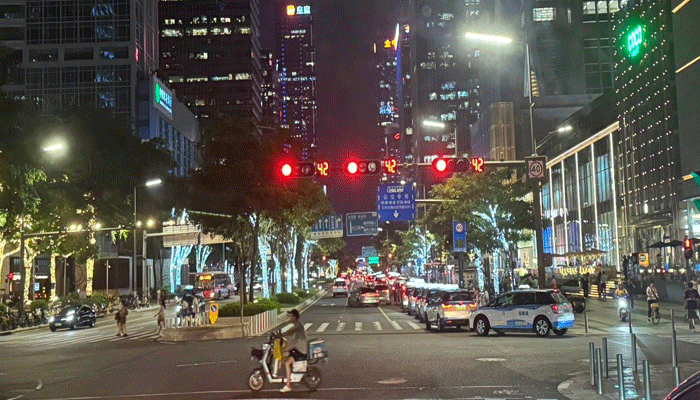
(345, 93)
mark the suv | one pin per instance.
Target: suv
(523, 310)
(427, 294)
(449, 308)
(340, 288)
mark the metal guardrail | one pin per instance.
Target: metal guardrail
(199, 319)
(260, 323)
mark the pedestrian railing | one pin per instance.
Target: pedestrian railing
(260, 323)
(198, 319)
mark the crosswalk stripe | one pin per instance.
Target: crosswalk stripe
(308, 325)
(377, 325)
(322, 327)
(139, 335)
(340, 327)
(396, 326)
(413, 325)
(358, 326)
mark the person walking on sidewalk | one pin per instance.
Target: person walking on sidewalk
(195, 311)
(631, 289)
(652, 297)
(691, 303)
(123, 312)
(585, 284)
(160, 318)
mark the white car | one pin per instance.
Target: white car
(540, 311)
(340, 288)
(449, 308)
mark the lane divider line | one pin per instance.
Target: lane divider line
(396, 326)
(358, 326)
(384, 314)
(377, 325)
(340, 327)
(322, 327)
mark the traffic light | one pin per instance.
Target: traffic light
(297, 169)
(451, 165)
(364, 167)
(397, 136)
(11, 276)
(390, 166)
(322, 169)
(688, 247)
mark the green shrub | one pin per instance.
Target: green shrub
(39, 305)
(288, 298)
(97, 298)
(234, 309)
(3, 309)
(301, 293)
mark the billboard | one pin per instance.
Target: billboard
(162, 97)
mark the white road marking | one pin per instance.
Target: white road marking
(396, 326)
(340, 327)
(39, 385)
(377, 325)
(413, 325)
(358, 326)
(322, 327)
(308, 325)
(206, 363)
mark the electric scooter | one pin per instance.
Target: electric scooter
(623, 308)
(272, 371)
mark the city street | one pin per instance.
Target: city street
(374, 353)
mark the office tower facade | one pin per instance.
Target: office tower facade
(295, 55)
(502, 131)
(648, 140)
(210, 52)
(76, 54)
(388, 133)
(404, 89)
(267, 88)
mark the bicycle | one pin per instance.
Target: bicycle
(655, 315)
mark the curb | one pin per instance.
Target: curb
(301, 307)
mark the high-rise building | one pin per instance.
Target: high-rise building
(570, 58)
(686, 43)
(404, 89)
(388, 133)
(648, 140)
(296, 96)
(210, 52)
(267, 88)
(502, 131)
(80, 54)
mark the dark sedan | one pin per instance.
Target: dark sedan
(72, 317)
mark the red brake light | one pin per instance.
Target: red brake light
(556, 308)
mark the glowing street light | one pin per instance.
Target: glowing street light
(150, 222)
(52, 148)
(565, 128)
(153, 182)
(488, 38)
(434, 124)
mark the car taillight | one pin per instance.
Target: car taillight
(386, 291)
(557, 309)
(472, 306)
(448, 307)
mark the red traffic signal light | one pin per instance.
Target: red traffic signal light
(365, 167)
(390, 166)
(11, 276)
(322, 169)
(440, 165)
(297, 170)
(397, 136)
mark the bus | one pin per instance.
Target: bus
(214, 284)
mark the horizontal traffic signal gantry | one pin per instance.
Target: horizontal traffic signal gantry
(389, 166)
(445, 165)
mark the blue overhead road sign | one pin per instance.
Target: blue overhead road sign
(361, 224)
(329, 226)
(396, 202)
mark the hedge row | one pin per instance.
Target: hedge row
(250, 309)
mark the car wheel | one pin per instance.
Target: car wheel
(441, 324)
(427, 323)
(542, 326)
(72, 326)
(53, 328)
(481, 326)
(92, 323)
(560, 332)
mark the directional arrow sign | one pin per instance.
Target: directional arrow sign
(329, 226)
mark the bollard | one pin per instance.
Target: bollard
(585, 320)
(629, 321)
(634, 352)
(647, 380)
(591, 355)
(599, 370)
(620, 378)
(605, 358)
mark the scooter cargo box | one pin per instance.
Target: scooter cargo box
(317, 349)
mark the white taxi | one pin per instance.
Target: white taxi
(449, 308)
(340, 288)
(541, 311)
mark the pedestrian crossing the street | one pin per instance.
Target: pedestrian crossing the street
(43, 338)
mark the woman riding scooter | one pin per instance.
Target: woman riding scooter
(622, 295)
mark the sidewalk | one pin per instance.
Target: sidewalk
(640, 308)
(579, 387)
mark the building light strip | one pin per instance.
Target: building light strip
(614, 198)
(563, 196)
(594, 175)
(600, 135)
(688, 64)
(578, 204)
(678, 7)
(553, 235)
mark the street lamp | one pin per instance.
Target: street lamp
(137, 223)
(429, 123)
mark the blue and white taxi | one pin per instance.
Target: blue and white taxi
(524, 310)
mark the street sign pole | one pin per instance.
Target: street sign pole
(539, 241)
(460, 269)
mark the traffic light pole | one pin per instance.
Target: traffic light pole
(539, 242)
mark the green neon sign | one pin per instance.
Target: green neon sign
(635, 41)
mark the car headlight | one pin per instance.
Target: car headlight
(70, 317)
(51, 318)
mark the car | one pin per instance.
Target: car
(449, 308)
(383, 292)
(541, 311)
(362, 296)
(73, 316)
(421, 301)
(689, 389)
(340, 288)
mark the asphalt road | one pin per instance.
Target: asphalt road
(375, 353)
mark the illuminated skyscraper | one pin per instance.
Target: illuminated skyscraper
(296, 93)
(387, 104)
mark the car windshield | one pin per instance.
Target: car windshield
(340, 283)
(381, 287)
(559, 298)
(457, 296)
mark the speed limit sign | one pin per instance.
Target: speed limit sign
(536, 167)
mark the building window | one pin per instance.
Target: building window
(198, 79)
(197, 31)
(244, 30)
(589, 8)
(243, 76)
(172, 33)
(220, 30)
(199, 56)
(169, 22)
(540, 14)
